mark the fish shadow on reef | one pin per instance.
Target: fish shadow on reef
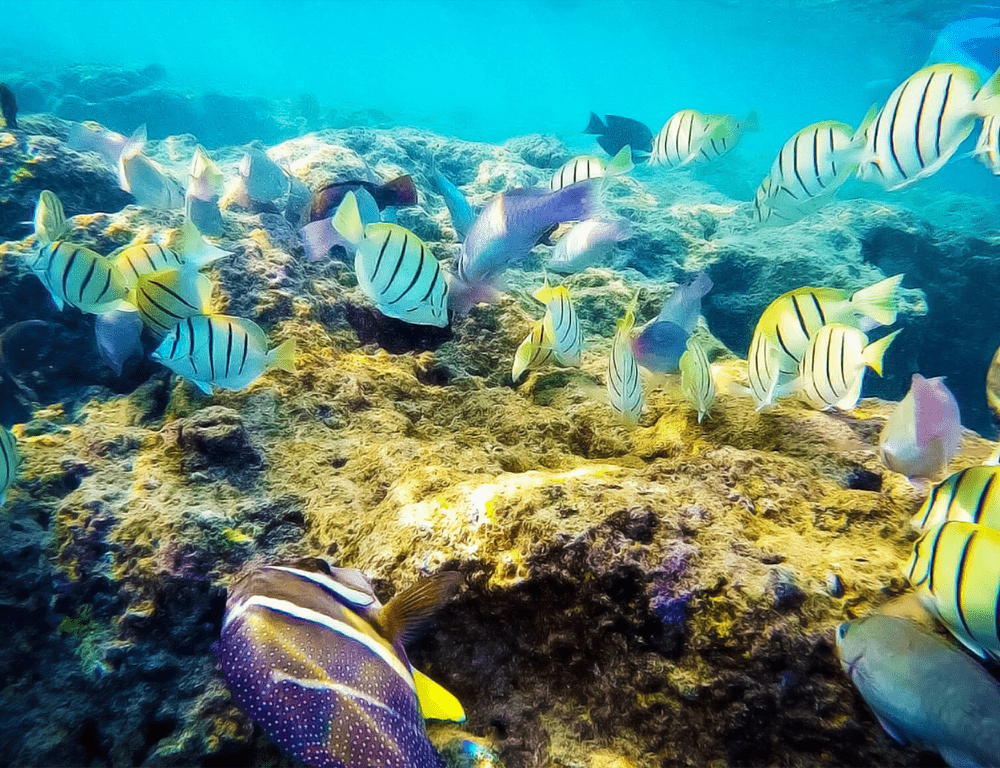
(394, 336)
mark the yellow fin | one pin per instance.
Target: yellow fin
(347, 220)
(283, 356)
(436, 703)
(620, 163)
(872, 354)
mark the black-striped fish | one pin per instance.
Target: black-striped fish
(956, 570)
(50, 218)
(586, 167)
(697, 382)
(972, 495)
(10, 461)
(80, 277)
(562, 326)
(395, 269)
(988, 147)
(832, 369)
(311, 654)
(227, 352)
(690, 136)
(165, 298)
(924, 122)
(768, 379)
(623, 382)
(190, 252)
(534, 352)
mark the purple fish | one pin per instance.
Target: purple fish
(660, 344)
(311, 654)
(923, 434)
(117, 333)
(507, 229)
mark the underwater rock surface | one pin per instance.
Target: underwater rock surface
(659, 597)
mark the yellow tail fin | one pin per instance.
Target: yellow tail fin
(283, 356)
(436, 703)
(879, 301)
(872, 354)
(347, 220)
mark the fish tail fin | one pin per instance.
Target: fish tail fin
(400, 192)
(136, 142)
(404, 615)
(595, 126)
(436, 702)
(620, 163)
(859, 135)
(194, 249)
(347, 220)
(879, 302)
(987, 100)
(283, 356)
(873, 353)
(751, 123)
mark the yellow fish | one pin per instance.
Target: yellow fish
(562, 326)
(50, 218)
(623, 382)
(972, 495)
(534, 352)
(586, 167)
(832, 369)
(696, 378)
(80, 277)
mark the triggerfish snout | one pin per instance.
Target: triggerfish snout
(311, 655)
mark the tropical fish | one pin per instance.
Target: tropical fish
(8, 106)
(767, 378)
(205, 188)
(924, 432)
(80, 277)
(923, 690)
(972, 495)
(462, 215)
(623, 381)
(93, 137)
(261, 180)
(662, 341)
(832, 369)
(146, 180)
(988, 147)
(192, 253)
(50, 218)
(956, 569)
(221, 351)
(809, 169)
(10, 461)
(690, 136)
(562, 326)
(585, 167)
(165, 298)
(924, 122)
(397, 193)
(117, 334)
(586, 244)
(972, 42)
(534, 352)
(506, 230)
(621, 132)
(696, 378)
(299, 200)
(318, 237)
(395, 269)
(311, 655)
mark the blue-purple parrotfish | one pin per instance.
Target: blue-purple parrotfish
(507, 229)
(312, 656)
(662, 341)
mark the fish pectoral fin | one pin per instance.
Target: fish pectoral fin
(436, 702)
(404, 615)
(892, 730)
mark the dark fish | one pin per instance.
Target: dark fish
(400, 192)
(8, 105)
(620, 132)
(312, 656)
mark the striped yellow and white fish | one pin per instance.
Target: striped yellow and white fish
(310, 654)
(50, 218)
(972, 495)
(623, 382)
(80, 277)
(923, 123)
(10, 461)
(395, 269)
(690, 136)
(221, 351)
(988, 147)
(585, 167)
(832, 369)
(956, 570)
(534, 352)
(563, 331)
(768, 379)
(697, 382)
(190, 252)
(165, 298)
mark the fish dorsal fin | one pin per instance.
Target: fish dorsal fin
(404, 615)
(436, 702)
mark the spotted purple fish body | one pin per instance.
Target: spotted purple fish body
(303, 661)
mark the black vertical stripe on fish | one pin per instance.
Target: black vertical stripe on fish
(177, 340)
(843, 362)
(399, 263)
(164, 310)
(190, 326)
(87, 279)
(960, 582)
(687, 146)
(819, 309)
(176, 295)
(434, 282)
(933, 558)
(781, 342)
(955, 489)
(819, 177)
(211, 348)
(983, 496)
(568, 327)
(944, 107)
(920, 115)
(416, 275)
(381, 253)
(66, 270)
(892, 130)
(795, 167)
(106, 286)
(800, 316)
(829, 355)
(833, 163)
(149, 260)
(229, 347)
(246, 349)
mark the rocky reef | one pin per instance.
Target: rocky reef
(658, 597)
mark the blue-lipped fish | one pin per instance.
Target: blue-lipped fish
(221, 351)
(311, 654)
(50, 218)
(955, 568)
(988, 147)
(534, 352)
(395, 269)
(10, 461)
(923, 690)
(204, 189)
(832, 370)
(697, 382)
(563, 331)
(585, 167)
(587, 244)
(972, 495)
(924, 432)
(624, 385)
(689, 136)
(80, 277)
(924, 122)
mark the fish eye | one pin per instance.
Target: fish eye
(842, 631)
